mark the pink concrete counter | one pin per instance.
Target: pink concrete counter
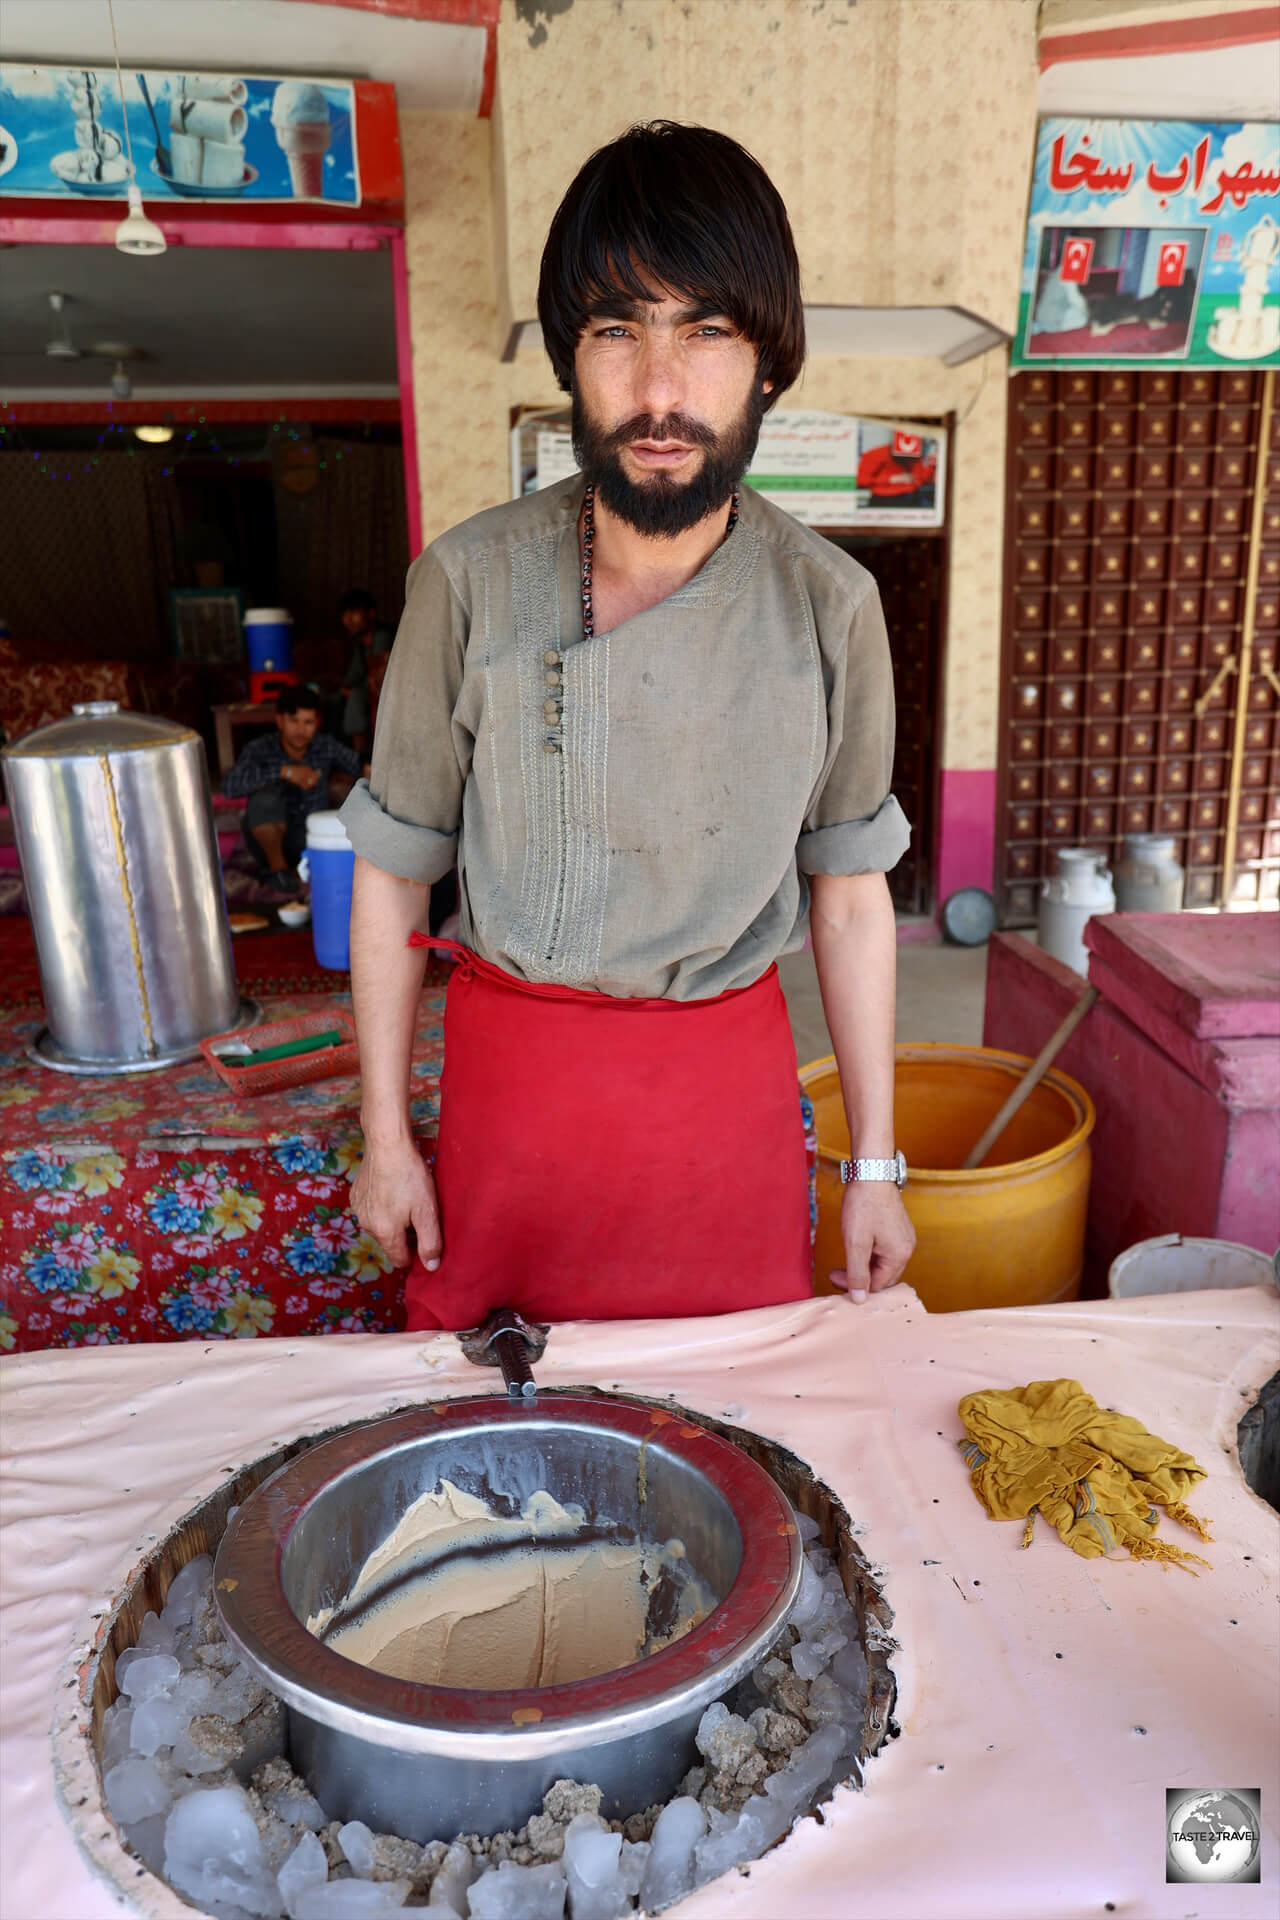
(1182, 1061)
(1045, 1702)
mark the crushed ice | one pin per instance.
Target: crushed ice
(194, 1775)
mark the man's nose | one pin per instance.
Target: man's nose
(659, 378)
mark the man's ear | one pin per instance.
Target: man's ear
(766, 386)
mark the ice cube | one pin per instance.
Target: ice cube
(153, 1636)
(192, 1693)
(157, 1722)
(296, 1809)
(304, 1871)
(807, 1529)
(669, 1872)
(146, 1837)
(356, 1842)
(136, 1788)
(849, 1670)
(809, 1599)
(352, 1899)
(154, 1673)
(192, 1757)
(237, 1694)
(188, 1591)
(809, 1768)
(213, 1851)
(116, 1722)
(519, 1893)
(591, 1859)
(632, 1866)
(453, 1877)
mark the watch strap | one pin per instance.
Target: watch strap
(894, 1170)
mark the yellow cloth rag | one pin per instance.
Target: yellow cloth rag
(1098, 1477)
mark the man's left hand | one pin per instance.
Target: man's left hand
(879, 1238)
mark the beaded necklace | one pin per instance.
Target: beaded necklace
(588, 539)
(552, 660)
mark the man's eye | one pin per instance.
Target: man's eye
(613, 331)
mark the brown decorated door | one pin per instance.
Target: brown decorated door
(1142, 572)
(910, 571)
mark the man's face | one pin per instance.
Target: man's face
(666, 411)
(357, 621)
(298, 730)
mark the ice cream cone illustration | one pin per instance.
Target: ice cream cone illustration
(300, 116)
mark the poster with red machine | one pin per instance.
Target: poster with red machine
(839, 470)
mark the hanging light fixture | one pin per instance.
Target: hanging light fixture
(121, 384)
(135, 234)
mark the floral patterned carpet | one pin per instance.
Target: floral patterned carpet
(160, 1207)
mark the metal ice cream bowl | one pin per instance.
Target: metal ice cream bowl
(429, 1762)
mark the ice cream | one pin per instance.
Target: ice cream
(300, 116)
(460, 1596)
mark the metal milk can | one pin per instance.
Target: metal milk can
(1080, 888)
(114, 830)
(1148, 877)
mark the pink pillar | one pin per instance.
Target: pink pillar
(966, 830)
(404, 376)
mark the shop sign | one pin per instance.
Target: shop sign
(196, 136)
(1152, 240)
(828, 469)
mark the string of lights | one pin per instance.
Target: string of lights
(116, 439)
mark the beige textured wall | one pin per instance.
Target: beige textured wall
(897, 131)
(874, 121)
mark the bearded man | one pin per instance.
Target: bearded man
(651, 718)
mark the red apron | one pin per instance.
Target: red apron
(610, 1159)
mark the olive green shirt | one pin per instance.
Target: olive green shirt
(712, 751)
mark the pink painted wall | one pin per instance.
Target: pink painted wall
(966, 830)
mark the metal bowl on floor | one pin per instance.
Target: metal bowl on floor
(429, 1762)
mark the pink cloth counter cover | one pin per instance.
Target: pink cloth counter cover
(1021, 1785)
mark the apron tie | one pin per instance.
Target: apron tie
(463, 955)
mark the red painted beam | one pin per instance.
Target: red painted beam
(1190, 32)
(185, 413)
(36, 223)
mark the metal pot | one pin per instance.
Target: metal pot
(114, 830)
(431, 1762)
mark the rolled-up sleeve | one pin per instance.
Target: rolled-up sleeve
(854, 823)
(405, 817)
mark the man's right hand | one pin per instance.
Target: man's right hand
(393, 1191)
(301, 776)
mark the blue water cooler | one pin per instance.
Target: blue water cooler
(268, 636)
(330, 865)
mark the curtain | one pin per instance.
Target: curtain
(87, 557)
(347, 530)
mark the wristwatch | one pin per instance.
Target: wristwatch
(895, 1170)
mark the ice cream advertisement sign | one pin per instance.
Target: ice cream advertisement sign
(195, 136)
(1152, 240)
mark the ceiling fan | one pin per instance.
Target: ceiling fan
(61, 346)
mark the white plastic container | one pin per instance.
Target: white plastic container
(1173, 1264)
(1080, 888)
(1148, 877)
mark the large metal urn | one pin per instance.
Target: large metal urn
(114, 830)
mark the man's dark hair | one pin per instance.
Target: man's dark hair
(357, 600)
(684, 208)
(298, 699)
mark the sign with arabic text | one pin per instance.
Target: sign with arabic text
(1152, 240)
(194, 136)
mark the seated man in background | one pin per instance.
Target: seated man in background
(286, 775)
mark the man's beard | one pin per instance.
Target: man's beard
(662, 506)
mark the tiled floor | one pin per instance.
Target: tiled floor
(940, 996)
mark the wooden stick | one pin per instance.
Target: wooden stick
(1031, 1079)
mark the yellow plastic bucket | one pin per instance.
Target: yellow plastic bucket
(1009, 1234)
